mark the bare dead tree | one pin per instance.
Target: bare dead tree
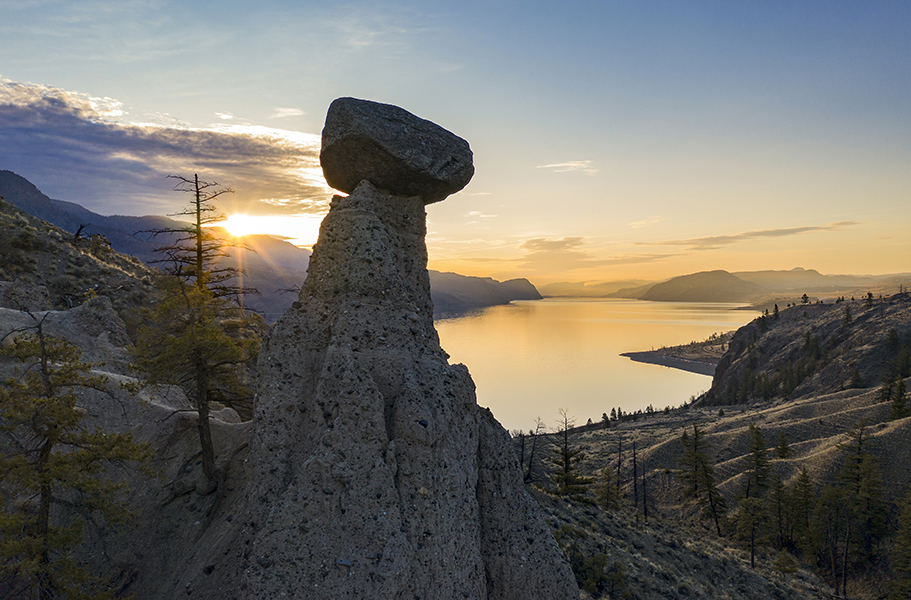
(195, 250)
(619, 462)
(635, 486)
(77, 237)
(539, 430)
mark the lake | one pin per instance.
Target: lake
(529, 359)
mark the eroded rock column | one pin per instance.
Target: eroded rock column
(374, 472)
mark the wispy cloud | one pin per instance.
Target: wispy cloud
(87, 150)
(717, 241)
(567, 244)
(476, 214)
(283, 113)
(584, 166)
(570, 253)
(224, 116)
(647, 222)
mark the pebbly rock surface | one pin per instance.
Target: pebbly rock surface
(21, 295)
(393, 149)
(373, 471)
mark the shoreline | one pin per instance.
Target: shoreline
(654, 357)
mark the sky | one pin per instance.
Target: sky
(611, 140)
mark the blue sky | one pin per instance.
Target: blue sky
(611, 140)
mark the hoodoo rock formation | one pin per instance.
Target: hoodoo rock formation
(374, 473)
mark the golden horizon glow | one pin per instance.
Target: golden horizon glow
(300, 230)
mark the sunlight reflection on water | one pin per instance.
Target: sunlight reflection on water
(529, 359)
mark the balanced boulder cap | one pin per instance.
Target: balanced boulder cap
(394, 150)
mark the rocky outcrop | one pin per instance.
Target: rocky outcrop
(374, 473)
(20, 295)
(95, 326)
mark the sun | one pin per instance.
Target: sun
(240, 224)
(300, 230)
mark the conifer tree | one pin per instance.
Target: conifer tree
(802, 501)
(758, 473)
(857, 381)
(698, 476)
(850, 516)
(828, 535)
(899, 397)
(202, 344)
(619, 463)
(195, 249)
(51, 459)
(567, 477)
(536, 433)
(780, 513)
(885, 390)
(751, 523)
(196, 338)
(863, 487)
(782, 450)
(900, 557)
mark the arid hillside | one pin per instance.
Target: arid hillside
(664, 540)
(71, 268)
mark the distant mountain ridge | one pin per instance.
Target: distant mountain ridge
(275, 267)
(452, 292)
(805, 280)
(589, 290)
(708, 286)
(739, 286)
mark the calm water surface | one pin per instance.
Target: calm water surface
(528, 359)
